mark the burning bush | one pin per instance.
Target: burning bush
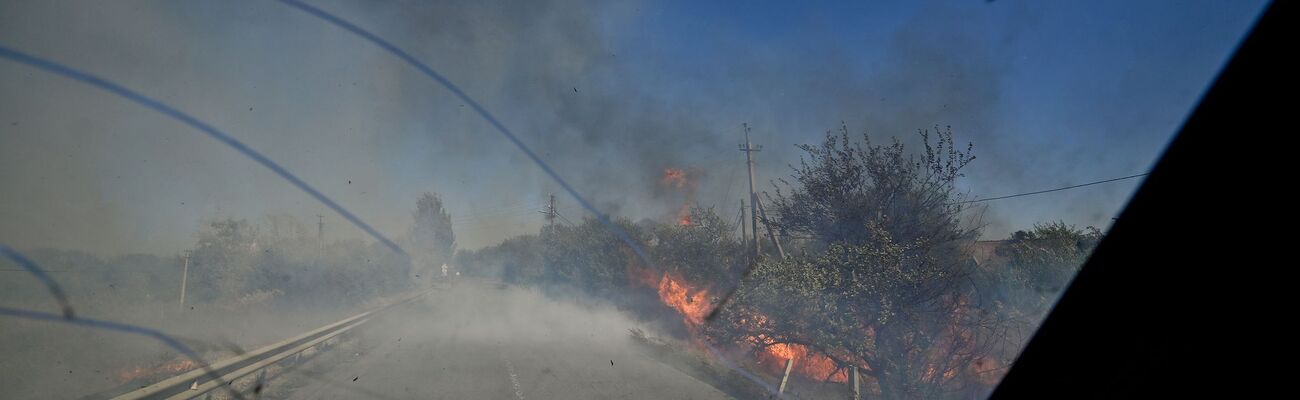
(883, 281)
(888, 290)
(703, 253)
(897, 315)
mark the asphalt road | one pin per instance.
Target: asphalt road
(480, 341)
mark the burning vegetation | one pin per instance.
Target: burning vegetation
(692, 303)
(681, 183)
(675, 178)
(148, 373)
(886, 287)
(807, 363)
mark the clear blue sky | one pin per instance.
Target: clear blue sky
(1050, 93)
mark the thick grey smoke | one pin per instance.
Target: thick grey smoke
(609, 107)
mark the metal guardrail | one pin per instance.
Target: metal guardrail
(199, 381)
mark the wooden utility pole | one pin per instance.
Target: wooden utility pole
(770, 234)
(185, 276)
(320, 229)
(550, 211)
(749, 149)
(744, 237)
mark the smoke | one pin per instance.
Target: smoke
(609, 94)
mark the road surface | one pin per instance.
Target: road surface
(475, 340)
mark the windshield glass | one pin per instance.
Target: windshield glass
(566, 199)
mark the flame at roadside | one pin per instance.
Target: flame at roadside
(170, 368)
(807, 363)
(694, 304)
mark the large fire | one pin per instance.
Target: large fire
(694, 304)
(171, 368)
(806, 362)
(691, 303)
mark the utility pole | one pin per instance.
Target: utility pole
(770, 234)
(320, 229)
(749, 149)
(185, 275)
(744, 237)
(550, 211)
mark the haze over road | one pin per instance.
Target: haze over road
(475, 340)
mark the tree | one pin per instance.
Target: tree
(224, 259)
(516, 260)
(887, 288)
(1041, 261)
(433, 241)
(589, 255)
(842, 186)
(704, 252)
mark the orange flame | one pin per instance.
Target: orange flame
(684, 215)
(683, 181)
(692, 306)
(174, 367)
(674, 177)
(807, 363)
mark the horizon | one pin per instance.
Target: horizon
(1095, 93)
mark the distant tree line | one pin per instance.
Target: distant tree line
(235, 262)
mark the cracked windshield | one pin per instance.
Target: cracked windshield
(316, 199)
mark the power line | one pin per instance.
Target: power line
(493, 226)
(731, 184)
(1026, 194)
(1054, 190)
(566, 220)
(478, 209)
(475, 210)
(490, 213)
(504, 214)
(30, 266)
(515, 219)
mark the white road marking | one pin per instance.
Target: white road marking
(514, 379)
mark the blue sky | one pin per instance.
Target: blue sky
(1050, 94)
(1079, 91)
